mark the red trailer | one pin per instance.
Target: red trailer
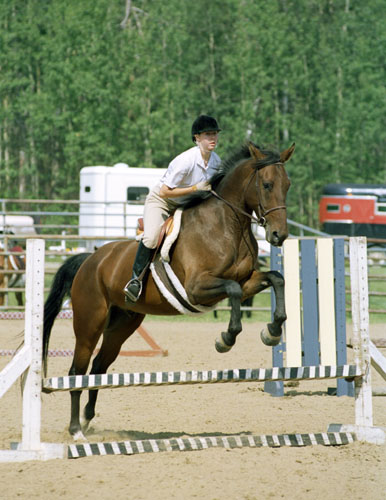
(354, 210)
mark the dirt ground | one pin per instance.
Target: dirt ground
(356, 471)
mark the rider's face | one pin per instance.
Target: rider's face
(207, 141)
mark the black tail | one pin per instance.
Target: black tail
(61, 286)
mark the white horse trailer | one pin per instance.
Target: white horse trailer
(112, 200)
(17, 224)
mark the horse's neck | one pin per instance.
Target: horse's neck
(234, 188)
(235, 209)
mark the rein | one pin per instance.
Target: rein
(261, 219)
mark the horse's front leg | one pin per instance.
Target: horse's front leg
(228, 339)
(271, 333)
(205, 291)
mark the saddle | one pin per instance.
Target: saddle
(166, 228)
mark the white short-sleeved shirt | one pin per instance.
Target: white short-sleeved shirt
(188, 168)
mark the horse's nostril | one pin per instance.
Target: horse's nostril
(276, 239)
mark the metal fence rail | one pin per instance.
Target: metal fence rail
(57, 222)
(56, 257)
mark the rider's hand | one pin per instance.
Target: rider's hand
(202, 186)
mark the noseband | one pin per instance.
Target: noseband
(262, 213)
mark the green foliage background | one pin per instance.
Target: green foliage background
(78, 86)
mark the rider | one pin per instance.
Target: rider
(188, 172)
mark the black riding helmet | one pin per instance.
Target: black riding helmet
(204, 123)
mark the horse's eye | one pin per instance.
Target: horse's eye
(268, 186)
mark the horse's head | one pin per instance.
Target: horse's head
(267, 192)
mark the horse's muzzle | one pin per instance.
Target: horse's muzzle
(276, 238)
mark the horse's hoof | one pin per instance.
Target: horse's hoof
(221, 346)
(79, 436)
(269, 339)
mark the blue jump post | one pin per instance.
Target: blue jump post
(309, 311)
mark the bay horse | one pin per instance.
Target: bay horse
(214, 257)
(11, 264)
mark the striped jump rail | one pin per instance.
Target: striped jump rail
(115, 380)
(203, 443)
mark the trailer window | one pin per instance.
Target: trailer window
(380, 208)
(333, 208)
(137, 194)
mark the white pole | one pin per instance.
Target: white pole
(34, 307)
(361, 338)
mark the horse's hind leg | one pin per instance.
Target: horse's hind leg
(88, 331)
(121, 325)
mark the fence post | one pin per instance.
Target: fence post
(360, 325)
(363, 426)
(33, 339)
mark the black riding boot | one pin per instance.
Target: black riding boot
(133, 288)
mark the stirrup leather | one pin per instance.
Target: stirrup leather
(129, 295)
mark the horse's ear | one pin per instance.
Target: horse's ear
(286, 154)
(255, 151)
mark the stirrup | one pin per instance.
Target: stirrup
(133, 295)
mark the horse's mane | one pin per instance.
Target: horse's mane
(270, 156)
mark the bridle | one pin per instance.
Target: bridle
(262, 213)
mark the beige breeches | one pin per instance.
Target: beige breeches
(156, 211)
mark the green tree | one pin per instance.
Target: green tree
(94, 82)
